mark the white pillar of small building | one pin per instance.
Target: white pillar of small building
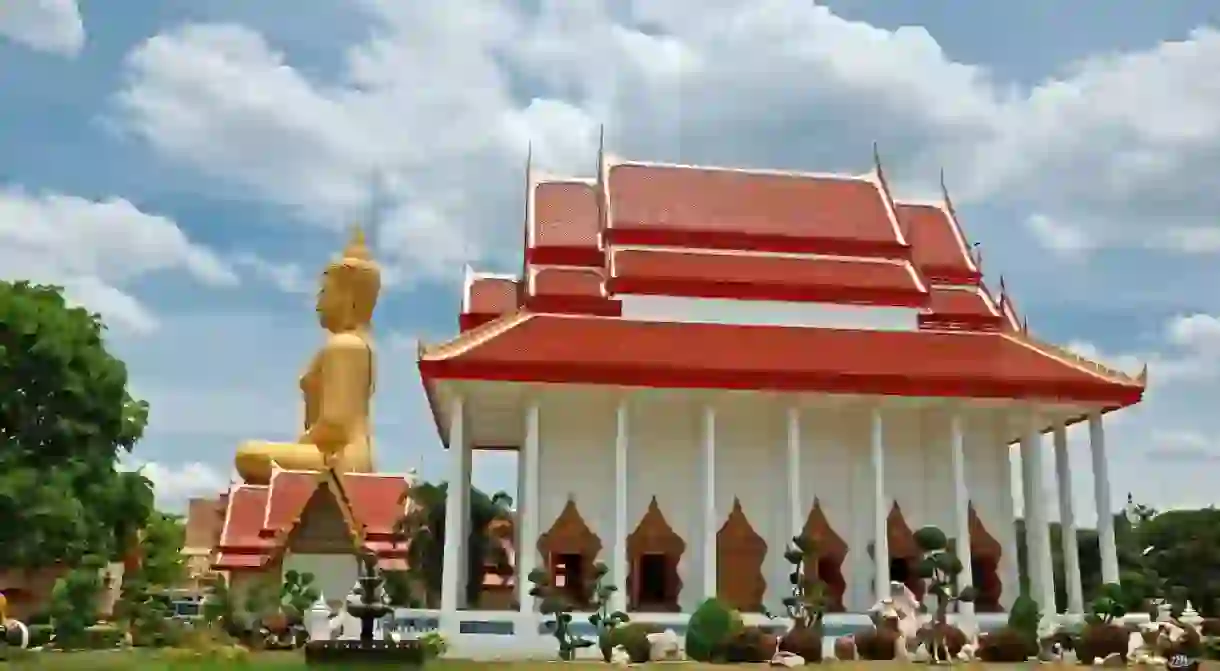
(620, 569)
(709, 501)
(792, 463)
(453, 592)
(881, 508)
(961, 508)
(1101, 498)
(1037, 531)
(1067, 523)
(527, 551)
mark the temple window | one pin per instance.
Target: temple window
(652, 572)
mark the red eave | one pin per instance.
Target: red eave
(376, 500)
(766, 277)
(709, 208)
(591, 350)
(487, 298)
(938, 245)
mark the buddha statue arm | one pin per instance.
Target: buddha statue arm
(345, 371)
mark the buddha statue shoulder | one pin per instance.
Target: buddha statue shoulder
(339, 383)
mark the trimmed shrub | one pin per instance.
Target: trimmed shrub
(634, 639)
(805, 641)
(1099, 640)
(40, 634)
(1005, 646)
(878, 645)
(749, 645)
(708, 630)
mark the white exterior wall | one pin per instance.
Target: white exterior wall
(577, 430)
(576, 460)
(663, 456)
(774, 313)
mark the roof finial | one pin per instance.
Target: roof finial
(529, 162)
(601, 153)
(1025, 325)
(876, 157)
(1142, 378)
(356, 248)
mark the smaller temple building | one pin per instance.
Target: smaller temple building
(311, 521)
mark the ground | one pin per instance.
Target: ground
(114, 661)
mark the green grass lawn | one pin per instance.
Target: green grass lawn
(153, 661)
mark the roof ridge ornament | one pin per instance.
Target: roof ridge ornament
(1069, 357)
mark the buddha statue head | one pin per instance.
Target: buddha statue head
(350, 286)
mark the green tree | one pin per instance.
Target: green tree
(162, 563)
(423, 529)
(65, 417)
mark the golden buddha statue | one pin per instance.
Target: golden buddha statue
(338, 385)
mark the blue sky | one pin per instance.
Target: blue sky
(187, 169)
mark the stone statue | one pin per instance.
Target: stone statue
(339, 383)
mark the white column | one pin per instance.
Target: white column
(527, 552)
(1101, 498)
(709, 501)
(620, 569)
(881, 509)
(1067, 523)
(453, 593)
(961, 508)
(1037, 533)
(793, 465)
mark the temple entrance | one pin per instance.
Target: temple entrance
(740, 553)
(904, 552)
(830, 550)
(653, 551)
(569, 548)
(985, 552)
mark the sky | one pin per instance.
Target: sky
(187, 169)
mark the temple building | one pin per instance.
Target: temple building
(696, 364)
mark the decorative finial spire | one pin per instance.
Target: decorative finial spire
(356, 246)
(1142, 378)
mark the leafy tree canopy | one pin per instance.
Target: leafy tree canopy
(65, 417)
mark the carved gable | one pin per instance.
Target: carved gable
(321, 528)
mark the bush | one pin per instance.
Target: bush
(749, 645)
(40, 634)
(1005, 646)
(102, 637)
(634, 639)
(708, 630)
(1101, 639)
(434, 643)
(805, 641)
(878, 645)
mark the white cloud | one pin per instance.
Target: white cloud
(52, 26)
(176, 484)
(95, 248)
(429, 121)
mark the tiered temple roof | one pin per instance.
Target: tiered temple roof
(700, 232)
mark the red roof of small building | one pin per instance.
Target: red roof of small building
(529, 347)
(691, 206)
(260, 517)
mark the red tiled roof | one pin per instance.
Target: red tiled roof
(488, 298)
(960, 307)
(936, 247)
(735, 209)
(766, 277)
(570, 290)
(567, 225)
(591, 350)
(204, 519)
(260, 515)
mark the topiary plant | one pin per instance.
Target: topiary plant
(555, 605)
(708, 630)
(74, 602)
(297, 593)
(1109, 605)
(940, 567)
(604, 621)
(806, 604)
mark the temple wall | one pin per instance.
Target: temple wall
(773, 313)
(334, 574)
(576, 460)
(750, 444)
(664, 460)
